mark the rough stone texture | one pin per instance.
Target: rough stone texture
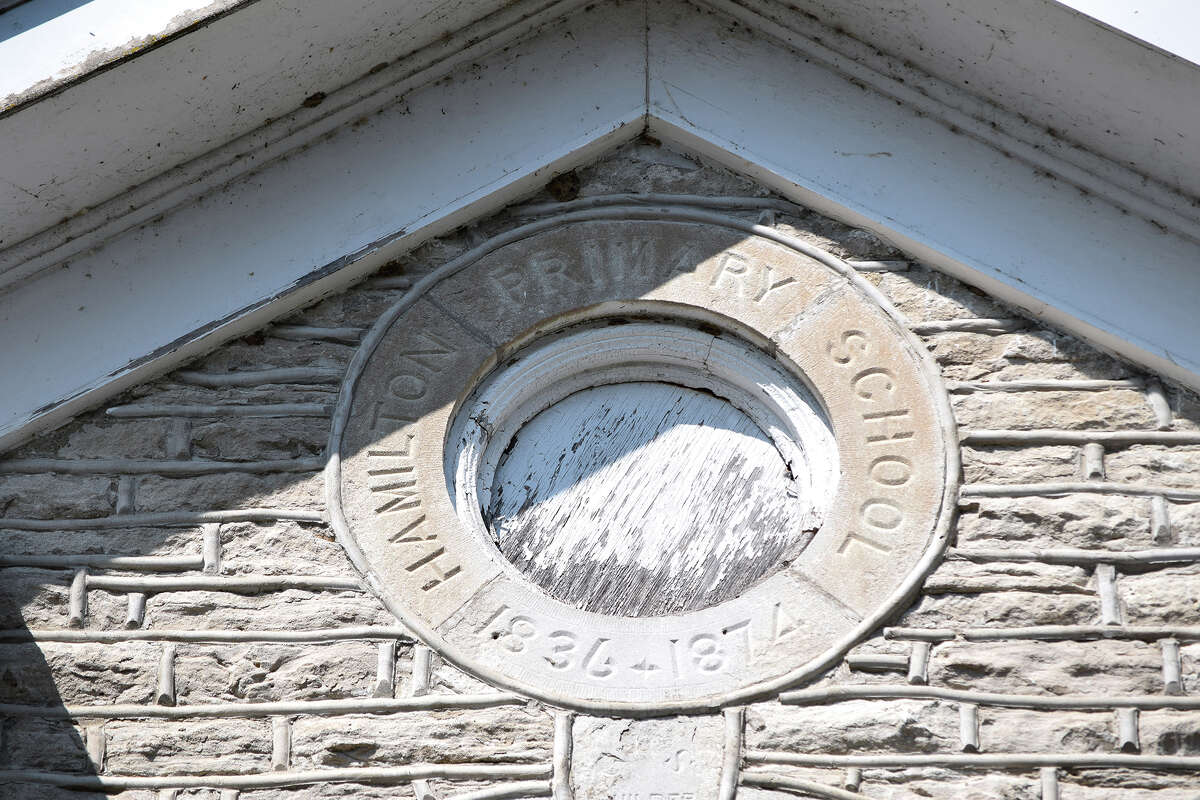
(621, 758)
(1118, 409)
(1165, 597)
(54, 496)
(511, 735)
(1158, 466)
(182, 541)
(924, 295)
(959, 596)
(291, 609)
(1083, 521)
(51, 673)
(250, 438)
(1050, 668)
(204, 746)
(229, 490)
(271, 672)
(1002, 609)
(859, 726)
(283, 548)
(1024, 355)
(1019, 464)
(50, 744)
(964, 577)
(1010, 730)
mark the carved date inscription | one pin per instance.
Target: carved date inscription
(618, 658)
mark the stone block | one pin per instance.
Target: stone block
(1162, 597)
(923, 295)
(1155, 465)
(282, 548)
(33, 598)
(1019, 464)
(293, 609)
(230, 490)
(55, 673)
(1083, 521)
(253, 438)
(1015, 730)
(856, 726)
(1031, 667)
(49, 496)
(108, 541)
(965, 577)
(1115, 409)
(1001, 610)
(182, 747)
(37, 743)
(262, 672)
(508, 734)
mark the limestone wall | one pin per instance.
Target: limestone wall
(175, 609)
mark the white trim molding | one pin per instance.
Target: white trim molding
(221, 240)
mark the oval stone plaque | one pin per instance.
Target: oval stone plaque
(835, 402)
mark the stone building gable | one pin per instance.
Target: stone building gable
(170, 555)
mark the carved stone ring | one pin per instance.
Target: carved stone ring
(454, 431)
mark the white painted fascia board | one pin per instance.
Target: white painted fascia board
(122, 124)
(299, 128)
(1004, 129)
(1064, 71)
(959, 204)
(1167, 25)
(315, 220)
(259, 245)
(45, 46)
(123, 146)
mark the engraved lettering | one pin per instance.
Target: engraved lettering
(742, 628)
(403, 495)
(508, 280)
(554, 270)
(884, 420)
(882, 515)
(684, 260)
(887, 384)
(404, 452)
(890, 470)
(521, 630)
(852, 344)
(561, 644)
(595, 663)
(627, 256)
(732, 269)
(390, 470)
(608, 260)
(768, 286)
(707, 653)
(401, 536)
(645, 667)
(430, 561)
(488, 623)
(437, 347)
(783, 623)
(383, 410)
(679, 761)
(865, 541)
(408, 386)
